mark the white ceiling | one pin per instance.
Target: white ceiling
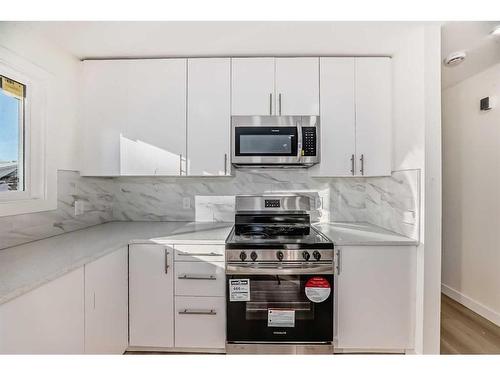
(166, 39)
(483, 50)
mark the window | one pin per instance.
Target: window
(12, 167)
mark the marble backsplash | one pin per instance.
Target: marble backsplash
(389, 202)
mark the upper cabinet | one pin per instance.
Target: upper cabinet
(253, 87)
(134, 117)
(209, 117)
(297, 86)
(356, 116)
(275, 86)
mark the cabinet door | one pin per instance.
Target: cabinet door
(151, 296)
(106, 304)
(376, 297)
(209, 116)
(373, 116)
(297, 86)
(47, 320)
(337, 117)
(200, 322)
(134, 117)
(253, 86)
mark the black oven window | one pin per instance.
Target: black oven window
(266, 144)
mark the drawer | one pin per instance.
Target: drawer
(199, 253)
(200, 322)
(200, 279)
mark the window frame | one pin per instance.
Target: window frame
(40, 177)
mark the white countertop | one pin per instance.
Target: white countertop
(25, 267)
(343, 234)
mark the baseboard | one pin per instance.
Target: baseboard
(475, 306)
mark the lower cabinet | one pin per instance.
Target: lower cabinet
(151, 296)
(200, 322)
(376, 297)
(46, 320)
(106, 304)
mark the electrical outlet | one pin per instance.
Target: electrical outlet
(409, 217)
(79, 208)
(186, 203)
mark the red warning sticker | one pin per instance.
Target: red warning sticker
(318, 289)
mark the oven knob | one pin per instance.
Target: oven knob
(243, 256)
(306, 255)
(316, 255)
(253, 255)
(279, 255)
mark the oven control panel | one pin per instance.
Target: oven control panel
(272, 203)
(279, 255)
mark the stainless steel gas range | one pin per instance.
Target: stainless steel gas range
(279, 274)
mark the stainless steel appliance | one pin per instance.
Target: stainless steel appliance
(275, 141)
(279, 274)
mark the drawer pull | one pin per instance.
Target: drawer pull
(197, 277)
(198, 312)
(211, 254)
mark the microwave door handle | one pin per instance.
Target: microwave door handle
(299, 141)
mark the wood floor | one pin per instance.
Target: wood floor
(465, 332)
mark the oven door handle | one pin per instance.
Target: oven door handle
(281, 269)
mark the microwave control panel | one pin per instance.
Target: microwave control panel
(309, 141)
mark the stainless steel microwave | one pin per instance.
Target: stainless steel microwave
(275, 141)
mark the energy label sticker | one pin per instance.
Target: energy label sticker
(239, 290)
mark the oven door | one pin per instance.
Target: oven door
(287, 305)
(266, 145)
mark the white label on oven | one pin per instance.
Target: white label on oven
(280, 318)
(239, 290)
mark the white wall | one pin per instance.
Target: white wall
(62, 128)
(471, 194)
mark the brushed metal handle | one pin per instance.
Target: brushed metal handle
(197, 277)
(225, 164)
(270, 104)
(362, 160)
(180, 164)
(197, 312)
(337, 263)
(279, 99)
(211, 254)
(166, 261)
(352, 164)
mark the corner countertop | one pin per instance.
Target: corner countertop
(359, 234)
(26, 267)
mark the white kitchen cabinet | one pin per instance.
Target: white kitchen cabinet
(297, 86)
(375, 297)
(373, 116)
(356, 125)
(106, 304)
(209, 116)
(134, 117)
(200, 322)
(338, 118)
(199, 253)
(253, 87)
(46, 320)
(151, 296)
(200, 279)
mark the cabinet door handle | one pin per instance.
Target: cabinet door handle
(197, 312)
(337, 263)
(166, 260)
(362, 160)
(197, 277)
(225, 164)
(211, 254)
(270, 104)
(352, 164)
(279, 100)
(180, 164)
